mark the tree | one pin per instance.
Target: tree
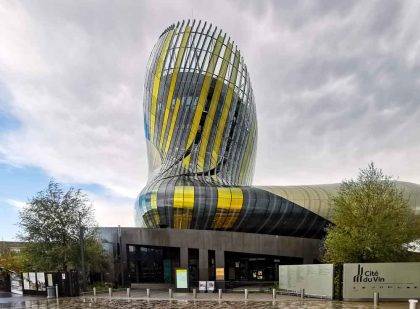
(52, 223)
(12, 261)
(372, 220)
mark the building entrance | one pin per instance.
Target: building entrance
(255, 267)
(151, 264)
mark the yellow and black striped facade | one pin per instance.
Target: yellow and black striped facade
(201, 132)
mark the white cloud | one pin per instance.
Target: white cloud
(336, 86)
(15, 203)
(111, 210)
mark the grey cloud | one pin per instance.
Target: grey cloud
(335, 84)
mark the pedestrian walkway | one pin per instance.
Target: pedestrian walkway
(7, 298)
(232, 300)
(160, 300)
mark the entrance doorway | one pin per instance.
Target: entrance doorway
(248, 267)
(151, 264)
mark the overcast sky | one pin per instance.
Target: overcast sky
(336, 85)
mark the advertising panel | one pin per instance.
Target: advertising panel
(390, 280)
(316, 279)
(210, 286)
(16, 283)
(202, 286)
(181, 278)
(31, 282)
(220, 273)
(25, 277)
(50, 280)
(40, 277)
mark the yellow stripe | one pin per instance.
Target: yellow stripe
(203, 97)
(184, 197)
(183, 206)
(246, 157)
(237, 199)
(171, 128)
(153, 200)
(156, 81)
(174, 78)
(235, 207)
(154, 214)
(229, 204)
(225, 111)
(223, 198)
(213, 106)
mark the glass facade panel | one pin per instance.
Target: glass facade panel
(151, 264)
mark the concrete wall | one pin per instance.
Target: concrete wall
(220, 241)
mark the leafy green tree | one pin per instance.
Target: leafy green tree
(372, 220)
(12, 261)
(55, 223)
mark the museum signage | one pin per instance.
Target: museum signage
(390, 280)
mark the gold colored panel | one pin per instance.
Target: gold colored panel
(237, 199)
(183, 206)
(153, 200)
(156, 81)
(223, 198)
(174, 78)
(229, 205)
(171, 128)
(213, 107)
(184, 197)
(246, 158)
(203, 96)
(225, 111)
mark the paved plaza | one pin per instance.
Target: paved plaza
(185, 300)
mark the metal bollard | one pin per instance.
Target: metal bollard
(148, 293)
(170, 294)
(194, 293)
(220, 293)
(302, 293)
(375, 299)
(94, 292)
(246, 293)
(128, 292)
(413, 303)
(110, 292)
(274, 294)
(56, 291)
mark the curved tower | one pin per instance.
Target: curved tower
(201, 133)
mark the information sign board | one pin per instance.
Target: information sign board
(181, 278)
(390, 280)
